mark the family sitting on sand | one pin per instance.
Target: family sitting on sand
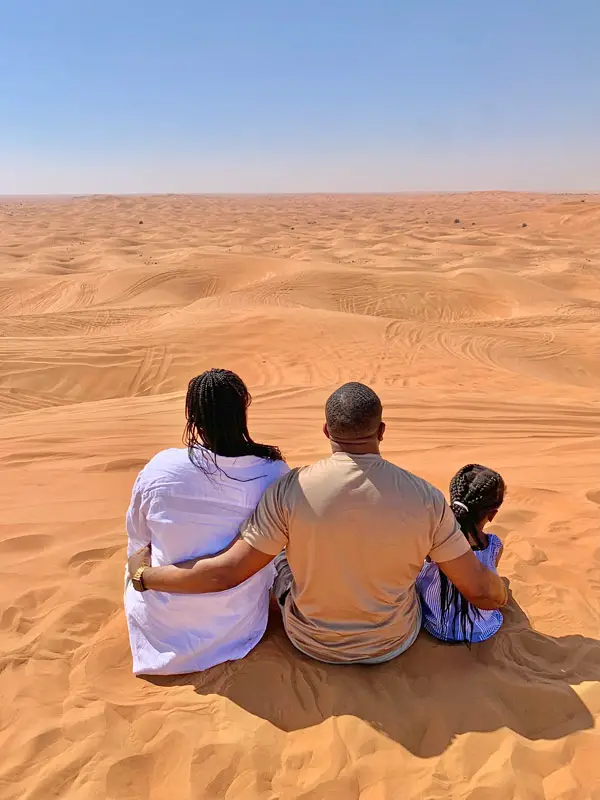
(359, 553)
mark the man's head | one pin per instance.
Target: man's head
(353, 419)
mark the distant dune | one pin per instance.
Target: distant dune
(477, 319)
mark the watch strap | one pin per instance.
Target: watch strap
(138, 579)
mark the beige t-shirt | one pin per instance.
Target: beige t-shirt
(357, 529)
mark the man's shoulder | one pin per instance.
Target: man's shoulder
(286, 488)
(411, 481)
(318, 471)
(287, 480)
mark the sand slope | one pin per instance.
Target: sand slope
(482, 337)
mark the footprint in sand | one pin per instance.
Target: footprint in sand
(528, 553)
(593, 497)
(86, 560)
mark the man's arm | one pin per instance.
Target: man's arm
(224, 571)
(478, 584)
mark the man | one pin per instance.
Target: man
(356, 530)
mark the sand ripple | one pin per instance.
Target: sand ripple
(483, 338)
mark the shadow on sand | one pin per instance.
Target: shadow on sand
(520, 680)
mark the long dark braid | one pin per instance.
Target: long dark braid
(216, 412)
(475, 492)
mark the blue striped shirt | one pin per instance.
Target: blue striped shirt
(485, 624)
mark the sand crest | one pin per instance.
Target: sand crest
(482, 336)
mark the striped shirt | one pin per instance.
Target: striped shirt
(485, 624)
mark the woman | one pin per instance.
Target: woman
(190, 503)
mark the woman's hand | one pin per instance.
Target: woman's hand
(139, 559)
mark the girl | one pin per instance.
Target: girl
(191, 502)
(476, 494)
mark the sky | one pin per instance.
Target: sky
(132, 96)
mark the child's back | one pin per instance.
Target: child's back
(447, 626)
(476, 494)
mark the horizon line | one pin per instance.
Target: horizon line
(78, 195)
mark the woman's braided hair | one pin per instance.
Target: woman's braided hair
(475, 491)
(216, 412)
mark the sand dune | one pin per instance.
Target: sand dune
(476, 317)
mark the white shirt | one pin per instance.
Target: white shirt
(185, 513)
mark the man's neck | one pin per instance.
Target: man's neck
(365, 448)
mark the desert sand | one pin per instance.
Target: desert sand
(476, 318)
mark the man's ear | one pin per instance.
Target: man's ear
(381, 431)
(326, 431)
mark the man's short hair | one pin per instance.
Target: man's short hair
(353, 412)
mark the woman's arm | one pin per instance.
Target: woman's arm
(138, 535)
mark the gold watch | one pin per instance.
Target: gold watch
(138, 580)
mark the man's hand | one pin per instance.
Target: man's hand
(139, 559)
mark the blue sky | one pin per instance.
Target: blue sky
(312, 95)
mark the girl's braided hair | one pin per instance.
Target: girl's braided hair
(475, 491)
(216, 412)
